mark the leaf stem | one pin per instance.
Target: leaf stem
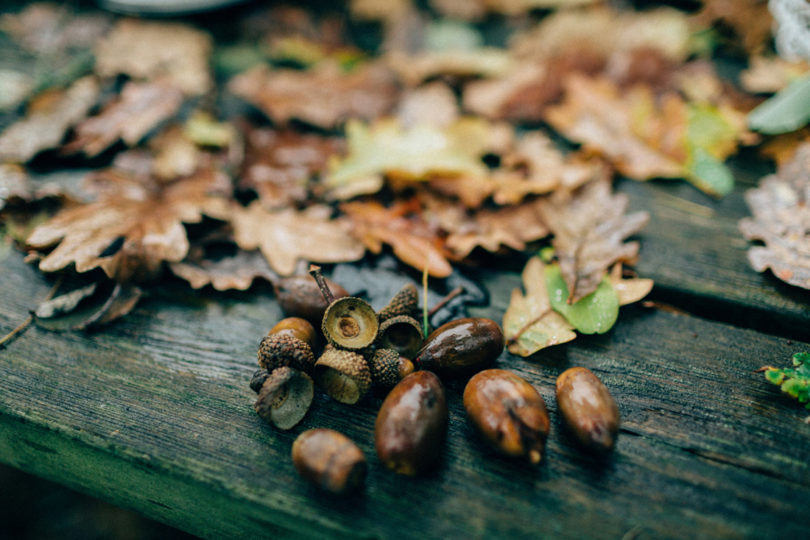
(526, 326)
(23, 326)
(315, 271)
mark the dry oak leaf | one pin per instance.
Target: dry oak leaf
(434, 103)
(751, 20)
(473, 10)
(129, 117)
(324, 96)
(590, 228)
(287, 236)
(279, 164)
(781, 219)
(645, 136)
(530, 323)
(770, 74)
(45, 28)
(49, 117)
(135, 225)
(401, 226)
(234, 272)
(157, 50)
(415, 68)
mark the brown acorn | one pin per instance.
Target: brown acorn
(587, 407)
(350, 323)
(402, 333)
(285, 397)
(388, 367)
(330, 460)
(508, 412)
(297, 327)
(344, 375)
(280, 350)
(405, 302)
(461, 347)
(300, 296)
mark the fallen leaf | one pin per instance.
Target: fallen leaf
(15, 86)
(235, 272)
(157, 50)
(793, 381)
(786, 111)
(287, 236)
(413, 241)
(64, 303)
(434, 103)
(45, 28)
(473, 10)
(781, 219)
(135, 225)
(413, 69)
(279, 164)
(750, 20)
(324, 96)
(49, 117)
(202, 129)
(769, 74)
(123, 299)
(14, 185)
(629, 290)
(645, 136)
(379, 10)
(782, 148)
(590, 228)
(530, 324)
(594, 313)
(129, 117)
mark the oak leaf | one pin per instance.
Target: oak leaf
(590, 228)
(781, 219)
(233, 272)
(47, 29)
(401, 226)
(324, 96)
(287, 237)
(129, 117)
(769, 74)
(157, 50)
(135, 225)
(49, 117)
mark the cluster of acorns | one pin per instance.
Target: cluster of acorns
(387, 350)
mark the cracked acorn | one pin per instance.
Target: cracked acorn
(508, 412)
(330, 460)
(588, 409)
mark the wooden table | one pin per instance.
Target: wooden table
(153, 413)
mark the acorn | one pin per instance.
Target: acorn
(588, 409)
(258, 378)
(461, 347)
(508, 412)
(330, 460)
(388, 367)
(285, 397)
(405, 302)
(300, 296)
(280, 350)
(350, 323)
(342, 374)
(297, 327)
(402, 333)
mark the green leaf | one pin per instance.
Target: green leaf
(794, 381)
(709, 138)
(709, 174)
(786, 111)
(593, 314)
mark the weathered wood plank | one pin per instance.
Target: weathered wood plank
(154, 414)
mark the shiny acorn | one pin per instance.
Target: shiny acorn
(330, 460)
(285, 397)
(588, 409)
(296, 327)
(299, 296)
(509, 413)
(411, 425)
(461, 347)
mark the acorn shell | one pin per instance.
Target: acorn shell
(284, 350)
(285, 397)
(350, 323)
(344, 375)
(401, 333)
(405, 302)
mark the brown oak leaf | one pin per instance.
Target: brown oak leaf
(135, 224)
(751, 20)
(590, 228)
(129, 117)
(279, 164)
(234, 272)
(324, 96)
(45, 28)
(49, 117)
(781, 219)
(286, 237)
(157, 50)
(401, 226)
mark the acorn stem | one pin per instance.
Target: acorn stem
(315, 271)
(444, 301)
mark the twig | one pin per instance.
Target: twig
(444, 301)
(23, 326)
(526, 326)
(315, 271)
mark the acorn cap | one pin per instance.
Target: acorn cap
(402, 333)
(350, 323)
(296, 327)
(405, 302)
(384, 366)
(344, 375)
(285, 397)
(284, 350)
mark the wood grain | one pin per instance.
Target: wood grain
(154, 414)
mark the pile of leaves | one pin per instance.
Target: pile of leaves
(321, 137)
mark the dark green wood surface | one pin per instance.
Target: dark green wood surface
(154, 413)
